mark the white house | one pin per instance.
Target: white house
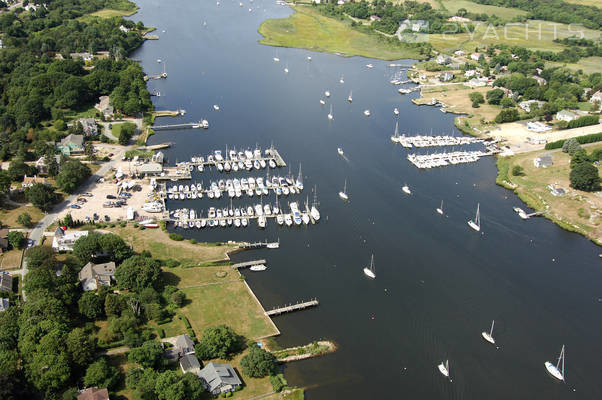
(443, 59)
(64, 241)
(475, 56)
(470, 73)
(478, 82)
(566, 115)
(596, 97)
(543, 161)
(526, 105)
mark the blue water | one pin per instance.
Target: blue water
(439, 284)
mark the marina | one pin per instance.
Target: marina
(433, 141)
(427, 161)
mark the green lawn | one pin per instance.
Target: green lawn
(589, 65)
(308, 29)
(586, 2)
(502, 12)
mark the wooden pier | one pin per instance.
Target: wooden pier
(174, 174)
(292, 307)
(248, 264)
(251, 246)
(189, 125)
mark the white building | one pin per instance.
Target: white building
(64, 241)
(475, 56)
(526, 105)
(537, 126)
(543, 161)
(566, 115)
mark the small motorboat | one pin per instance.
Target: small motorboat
(406, 189)
(259, 267)
(340, 151)
(216, 107)
(395, 111)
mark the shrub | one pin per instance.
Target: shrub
(585, 177)
(477, 98)
(594, 137)
(123, 224)
(176, 236)
(16, 240)
(25, 220)
(586, 120)
(258, 363)
(507, 115)
(517, 170)
(277, 383)
(171, 263)
(161, 332)
(193, 241)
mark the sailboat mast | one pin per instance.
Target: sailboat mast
(491, 331)
(478, 217)
(345, 187)
(561, 358)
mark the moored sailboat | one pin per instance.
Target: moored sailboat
(476, 224)
(369, 271)
(557, 371)
(489, 336)
(343, 195)
(444, 368)
(440, 209)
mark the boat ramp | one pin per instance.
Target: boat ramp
(292, 307)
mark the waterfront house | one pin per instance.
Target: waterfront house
(29, 181)
(543, 161)
(565, 115)
(219, 378)
(93, 275)
(104, 106)
(443, 59)
(184, 345)
(189, 363)
(414, 26)
(63, 240)
(89, 126)
(446, 76)
(93, 393)
(6, 282)
(4, 304)
(158, 157)
(71, 144)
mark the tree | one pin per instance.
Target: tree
(138, 272)
(86, 247)
(476, 97)
(507, 102)
(507, 115)
(258, 363)
(90, 305)
(517, 170)
(101, 374)
(127, 131)
(16, 240)
(178, 298)
(495, 96)
(68, 221)
(114, 304)
(149, 355)
(584, 176)
(115, 247)
(17, 169)
(39, 280)
(40, 256)
(572, 147)
(41, 196)
(218, 342)
(25, 220)
(143, 381)
(53, 166)
(80, 346)
(5, 182)
(72, 174)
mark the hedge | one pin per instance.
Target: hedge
(586, 120)
(186, 322)
(594, 137)
(161, 333)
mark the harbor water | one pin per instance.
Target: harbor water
(438, 283)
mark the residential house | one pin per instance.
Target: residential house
(29, 181)
(71, 144)
(543, 161)
(189, 363)
(475, 56)
(219, 378)
(566, 115)
(374, 18)
(152, 168)
(446, 76)
(443, 59)
(4, 304)
(470, 73)
(63, 240)
(87, 57)
(89, 126)
(6, 282)
(93, 275)
(104, 106)
(478, 82)
(31, 7)
(41, 165)
(3, 240)
(596, 97)
(158, 157)
(540, 81)
(94, 393)
(414, 26)
(184, 345)
(457, 18)
(526, 105)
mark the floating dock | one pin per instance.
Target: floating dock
(248, 264)
(189, 125)
(292, 307)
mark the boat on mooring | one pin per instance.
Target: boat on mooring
(476, 224)
(369, 271)
(557, 371)
(488, 336)
(444, 368)
(343, 195)
(406, 189)
(340, 151)
(440, 209)
(330, 113)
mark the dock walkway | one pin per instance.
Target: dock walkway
(188, 125)
(248, 264)
(292, 307)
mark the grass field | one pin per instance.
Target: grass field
(456, 96)
(577, 211)
(595, 3)
(9, 215)
(10, 259)
(538, 35)
(502, 12)
(589, 65)
(307, 29)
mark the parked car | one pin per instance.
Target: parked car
(75, 206)
(107, 218)
(82, 199)
(110, 196)
(111, 154)
(95, 216)
(87, 194)
(87, 219)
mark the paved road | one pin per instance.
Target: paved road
(38, 230)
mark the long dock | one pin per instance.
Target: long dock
(248, 264)
(292, 307)
(271, 154)
(189, 125)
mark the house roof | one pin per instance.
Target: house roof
(151, 168)
(219, 374)
(94, 393)
(6, 281)
(4, 304)
(77, 140)
(189, 362)
(102, 272)
(32, 180)
(184, 342)
(3, 233)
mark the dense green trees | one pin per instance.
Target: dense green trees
(72, 174)
(138, 272)
(495, 96)
(16, 240)
(258, 363)
(40, 256)
(80, 346)
(91, 305)
(476, 98)
(584, 176)
(110, 245)
(149, 355)
(41, 196)
(507, 115)
(101, 374)
(127, 131)
(218, 342)
(25, 220)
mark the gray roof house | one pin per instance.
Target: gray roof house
(71, 144)
(446, 77)
(566, 115)
(6, 282)
(4, 304)
(93, 275)
(185, 345)
(543, 161)
(219, 378)
(89, 125)
(443, 59)
(189, 363)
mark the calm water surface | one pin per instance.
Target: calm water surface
(439, 284)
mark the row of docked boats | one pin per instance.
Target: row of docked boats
(433, 141)
(426, 161)
(240, 217)
(281, 186)
(232, 160)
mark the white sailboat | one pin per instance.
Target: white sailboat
(440, 209)
(327, 93)
(444, 368)
(340, 151)
(367, 113)
(342, 80)
(314, 206)
(395, 137)
(343, 194)
(322, 102)
(395, 111)
(330, 113)
(557, 371)
(476, 224)
(406, 189)
(286, 69)
(350, 97)
(489, 336)
(369, 271)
